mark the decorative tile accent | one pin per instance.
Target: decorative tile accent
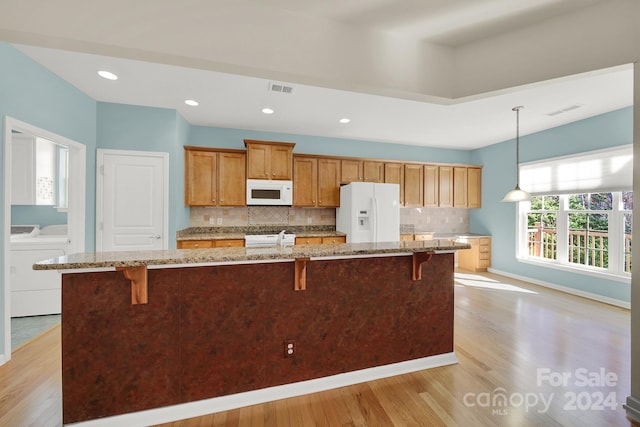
(440, 220)
(263, 215)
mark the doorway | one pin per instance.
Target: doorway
(76, 193)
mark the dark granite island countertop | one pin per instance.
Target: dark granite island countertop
(184, 257)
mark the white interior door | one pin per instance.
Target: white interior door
(131, 200)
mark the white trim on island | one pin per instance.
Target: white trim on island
(254, 397)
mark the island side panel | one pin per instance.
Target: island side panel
(213, 331)
(118, 357)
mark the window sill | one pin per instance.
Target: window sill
(579, 270)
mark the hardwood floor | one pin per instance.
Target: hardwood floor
(512, 340)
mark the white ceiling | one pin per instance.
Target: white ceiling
(228, 100)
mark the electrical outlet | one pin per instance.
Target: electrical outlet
(309, 220)
(461, 221)
(289, 348)
(428, 220)
(219, 221)
(212, 221)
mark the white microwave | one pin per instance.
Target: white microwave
(270, 193)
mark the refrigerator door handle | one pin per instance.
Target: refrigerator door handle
(374, 219)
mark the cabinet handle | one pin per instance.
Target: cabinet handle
(273, 174)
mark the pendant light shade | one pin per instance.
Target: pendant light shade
(517, 195)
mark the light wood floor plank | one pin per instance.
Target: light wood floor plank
(505, 332)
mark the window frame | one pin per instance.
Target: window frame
(614, 271)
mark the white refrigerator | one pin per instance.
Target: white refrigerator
(369, 212)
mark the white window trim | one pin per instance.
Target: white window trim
(522, 253)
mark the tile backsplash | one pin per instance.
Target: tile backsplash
(260, 215)
(440, 220)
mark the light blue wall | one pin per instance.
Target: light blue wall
(37, 215)
(499, 176)
(129, 127)
(234, 138)
(32, 94)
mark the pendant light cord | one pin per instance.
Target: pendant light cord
(517, 110)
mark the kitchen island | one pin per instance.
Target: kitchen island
(180, 330)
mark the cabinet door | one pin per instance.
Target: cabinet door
(305, 182)
(474, 187)
(200, 178)
(431, 186)
(350, 171)
(394, 174)
(413, 185)
(232, 182)
(459, 187)
(281, 161)
(23, 170)
(445, 184)
(373, 171)
(258, 161)
(329, 183)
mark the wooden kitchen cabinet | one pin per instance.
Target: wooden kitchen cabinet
(204, 244)
(431, 186)
(460, 187)
(406, 237)
(351, 171)
(394, 174)
(373, 171)
(305, 181)
(328, 183)
(445, 186)
(474, 187)
(413, 185)
(214, 177)
(269, 160)
(478, 258)
(316, 181)
(326, 240)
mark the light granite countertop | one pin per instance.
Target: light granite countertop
(240, 254)
(223, 233)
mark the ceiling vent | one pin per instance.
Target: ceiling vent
(280, 87)
(564, 110)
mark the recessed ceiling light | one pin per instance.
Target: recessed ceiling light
(191, 102)
(267, 110)
(345, 120)
(107, 75)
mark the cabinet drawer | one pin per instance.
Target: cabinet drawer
(484, 255)
(485, 241)
(308, 240)
(406, 237)
(423, 237)
(484, 263)
(195, 244)
(334, 240)
(228, 243)
(484, 249)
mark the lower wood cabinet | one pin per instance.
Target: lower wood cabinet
(478, 258)
(204, 244)
(327, 240)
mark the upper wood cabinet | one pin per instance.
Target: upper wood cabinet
(214, 177)
(413, 185)
(431, 186)
(351, 170)
(474, 187)
(269, 160)
(394, 174)
(373, 171)
(328, 182)
(305, 181)
(445, 186)
(316, 181)
(460, 187)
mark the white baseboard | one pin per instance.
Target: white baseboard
(225, 403)
(588, 295)
(3, 360)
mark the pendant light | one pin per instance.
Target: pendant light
(517, 195)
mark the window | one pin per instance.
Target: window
(589, 231)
